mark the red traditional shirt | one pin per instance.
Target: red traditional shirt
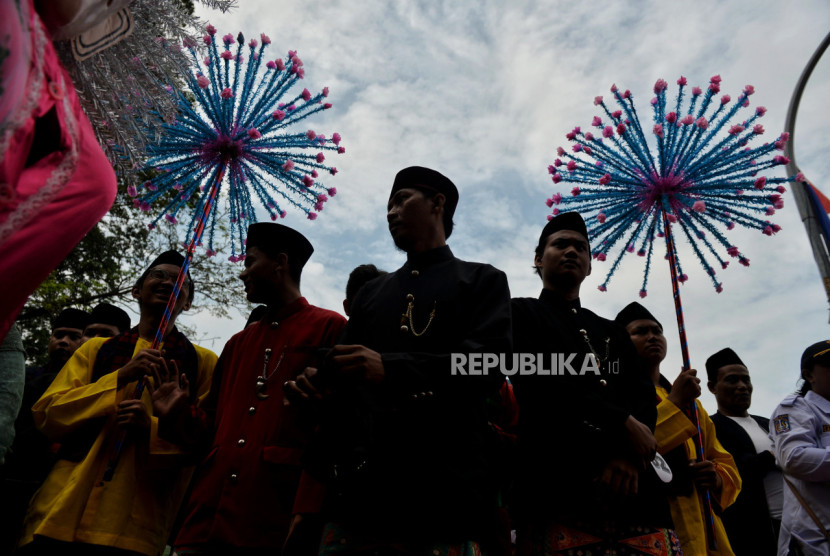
(244, 490)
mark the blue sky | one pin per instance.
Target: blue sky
(485, 91)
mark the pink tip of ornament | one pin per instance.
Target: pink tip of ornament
(312, 216)
(555, 212)
(306, 94)
(254, 134)
(781, 160)
(556, 198)
(781, 189)
(699, 206)
(736, 129)
(719, 288)
(560, 151)
(608, 131)
(278, 114)
(725, 98)
(207, 61)
(682, 81)
(320, 157)
(210, 29)
(308, 181)
(767, 231)
(570, 136)
(549, 217)
(202, 81)
(552, 167)
(761, 110)
(715, 88)
(227, 93)
(597, 101)
(227, 39)
(332, 191)
(758, 129)
(589, 137)
(283, 214)
(683, 278)
(601, 257)
(602, 288)
(264, 38)
(170, 218)
(629, 249)
(770, 211)
(314, 174)
(658, 130)
(616, 114)
(336, 138)
(687, 119)
(733, 251)
(318, 206)
(696, 91)
(571, 166)
(596, 122)
(549, 202)
(310, 134)
(280, 64)
(672, 218)
(671, 117)
(605, 179)
(556, 178)
(577, 148)
(601, 218)
(207, 40)
(226, 55)
(701, 123)
(621, 129)
(724, 264)
(654, 101)
(253, 43)
(288, 166)
(715, 79)
(760, 182)
(626, 93)
(131, 191)
(643, 293)
(575, 191)
(748, 90)
(641, 253)
(326, 106)
(800, 177)
(341, 150)
(614, 88)
(660, 85)
(270, 64)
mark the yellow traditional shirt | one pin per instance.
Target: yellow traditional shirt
(673, 429)
(136, 509)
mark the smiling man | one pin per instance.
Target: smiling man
(403, 444)
(753, 521)
(91, 402)
(244, 493)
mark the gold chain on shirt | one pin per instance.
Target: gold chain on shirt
(407, 317)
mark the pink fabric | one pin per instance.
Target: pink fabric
(47, 207)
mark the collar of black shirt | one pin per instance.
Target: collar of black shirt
(428, 258)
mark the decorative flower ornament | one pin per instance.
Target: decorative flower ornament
(702, 176)
(236, 130)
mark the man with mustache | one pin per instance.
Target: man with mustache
(753, 521)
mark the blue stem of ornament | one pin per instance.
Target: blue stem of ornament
(684, 349)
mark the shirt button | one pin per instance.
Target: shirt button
(415, 273)
(274, 324)
(234, 478)
(241, 442)
(573, 311)
(404, 329)
(251, 410)
(410, 297)
(602, 382)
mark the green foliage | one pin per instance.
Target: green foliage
(105, 265)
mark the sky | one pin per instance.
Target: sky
(485, 92)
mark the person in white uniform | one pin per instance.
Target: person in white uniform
(800, 430)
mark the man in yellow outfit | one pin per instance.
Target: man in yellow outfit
(90, 403)
(675, 434)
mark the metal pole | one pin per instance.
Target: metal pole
(802, 201)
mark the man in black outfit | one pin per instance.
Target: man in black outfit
(752, 522)
(585, 438)
(403, 440)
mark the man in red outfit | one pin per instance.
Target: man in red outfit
(244, 491)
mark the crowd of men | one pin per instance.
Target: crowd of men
(311, 434)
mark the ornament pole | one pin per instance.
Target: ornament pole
(168, 311)
(684, 349)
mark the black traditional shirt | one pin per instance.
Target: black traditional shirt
(407, 457)
(571, 426)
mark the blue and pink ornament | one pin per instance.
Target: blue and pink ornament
(237, 137)
(698, 166)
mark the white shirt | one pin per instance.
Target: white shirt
(773, 480)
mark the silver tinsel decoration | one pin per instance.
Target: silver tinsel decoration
(125, 87)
